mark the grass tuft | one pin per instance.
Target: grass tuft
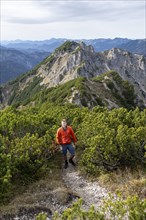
(128, 182)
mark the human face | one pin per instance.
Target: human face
(64, 124)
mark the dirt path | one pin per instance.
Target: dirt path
(91, 192)
(70, 186)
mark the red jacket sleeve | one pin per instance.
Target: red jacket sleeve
(58, 137)
(73, 135)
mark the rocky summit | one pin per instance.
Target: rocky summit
(68, 62)
(73, 60)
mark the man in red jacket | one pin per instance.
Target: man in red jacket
(65, 136)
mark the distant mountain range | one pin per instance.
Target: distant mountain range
(45, 45)
(17, 57)
(107, 44)
(135, 46)
(75, 73)
(14, 62)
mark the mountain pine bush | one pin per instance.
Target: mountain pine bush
(107, 139)
(113, 139)
(132, 208)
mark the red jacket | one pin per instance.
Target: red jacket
(65, 136)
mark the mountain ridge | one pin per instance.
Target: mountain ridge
(83, 61)
(99, 44)
(73, 60)
(36, 51)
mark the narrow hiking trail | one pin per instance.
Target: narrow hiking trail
(91, 192)
(73, 186)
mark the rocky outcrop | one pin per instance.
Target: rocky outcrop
(131, 67)
(68, 62)
(73, 60)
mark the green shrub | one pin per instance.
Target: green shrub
(131, 208)
(113, 139)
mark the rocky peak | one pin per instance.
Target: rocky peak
(74, 47)
(68, 46)
(73, 59)
(68, 62)
(86, 48)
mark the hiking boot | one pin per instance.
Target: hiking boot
(65, 165)
(72, 162)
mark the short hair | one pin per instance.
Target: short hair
(63, 120)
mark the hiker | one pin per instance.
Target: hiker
(65, 136)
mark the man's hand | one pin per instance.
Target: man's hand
(74, 145)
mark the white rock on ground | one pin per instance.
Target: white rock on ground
(91, 192)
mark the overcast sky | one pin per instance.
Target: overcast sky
(44, 19)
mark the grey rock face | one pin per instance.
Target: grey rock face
(82, 60)
(131, 67)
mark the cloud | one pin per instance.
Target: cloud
(39, 19)
(46, 11)
(91, 10)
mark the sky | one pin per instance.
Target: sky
(76, 19)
